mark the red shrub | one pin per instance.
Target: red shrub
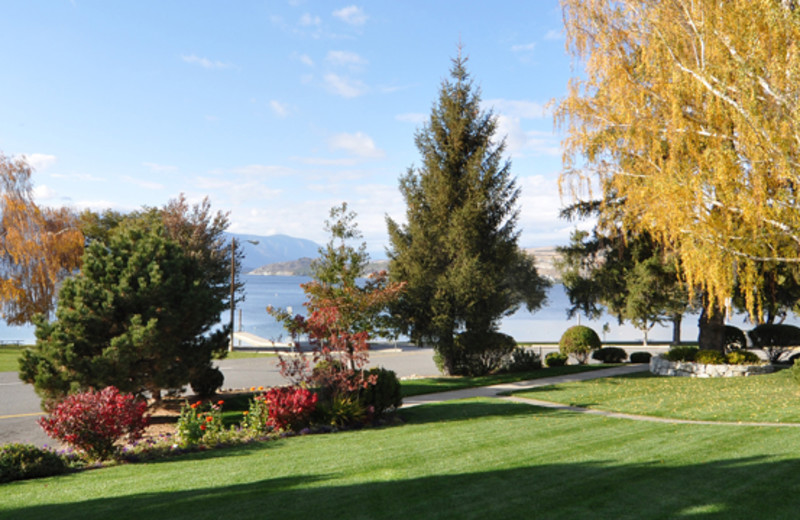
(94, 421)
(290, 407)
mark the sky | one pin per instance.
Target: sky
(276, 110)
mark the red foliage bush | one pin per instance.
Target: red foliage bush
(290, 407)
(93, 422)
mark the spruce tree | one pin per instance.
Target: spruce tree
(458, 250)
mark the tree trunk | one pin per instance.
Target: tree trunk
(712, 329)
(676, 328)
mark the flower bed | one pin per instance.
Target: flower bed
(663, 367)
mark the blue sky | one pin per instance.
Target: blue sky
(276, 110)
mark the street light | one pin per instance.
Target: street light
(233, 284)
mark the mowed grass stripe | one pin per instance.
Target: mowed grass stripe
(773, 398)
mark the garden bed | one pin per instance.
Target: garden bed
(663, 367)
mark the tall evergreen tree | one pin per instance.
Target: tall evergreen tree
(458, 250)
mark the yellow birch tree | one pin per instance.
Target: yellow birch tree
(689, 110)
(38, 246)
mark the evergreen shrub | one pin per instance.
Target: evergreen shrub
(610, 355)
(641, 357)
(555, 359)
(579, 341)
(710, 357)
(742, 357)
(23, 461)
(734, 338)
(384, 396)
(681, 353)
(523, 360)
(775, 339)
(207, 382)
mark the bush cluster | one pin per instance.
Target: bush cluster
(522, 360)
(742, 357)
(23, 461)
(775, 339)
(710, 357)
(681, 353)
(93, 422)
(610, 355)
(641, 357)
(476, 354)
(200, 422)
(579, 341)
(556, 359)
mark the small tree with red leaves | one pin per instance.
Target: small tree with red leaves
(345, 307)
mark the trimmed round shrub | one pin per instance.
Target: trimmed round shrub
(641, 357)
(610, 355)
(207, 382)
(710, 357)
(775, 339)
(523, 360)
(555, 359)
(681, 354)
(579, 341)
(742, 357)
(384, 396)
(22, 461)
(734, 338)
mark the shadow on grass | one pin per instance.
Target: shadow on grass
(730, 489)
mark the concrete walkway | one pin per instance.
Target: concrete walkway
(501, 391)
(496, 390)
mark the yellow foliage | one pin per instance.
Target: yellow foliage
(38, 246)
(689, 111)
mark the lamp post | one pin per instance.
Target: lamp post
(233, 285)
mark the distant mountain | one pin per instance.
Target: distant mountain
(302, 267)
(273, 248)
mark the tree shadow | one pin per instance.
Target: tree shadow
(471, 408)
(729, 489)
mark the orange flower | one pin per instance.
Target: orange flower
(245, 412)
(203, 427)
(195, 405)
(209, 419)
(220, 402)
(260, 388)
(252, 389)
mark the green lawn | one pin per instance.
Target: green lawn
(9, 355)
(768, 398)
(472, 459)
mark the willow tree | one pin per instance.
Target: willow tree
(690, 111)
(39, 247)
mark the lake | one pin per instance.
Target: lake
(545, 325)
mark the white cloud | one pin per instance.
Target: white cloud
(412, 117)
(526, 47)
(345, 58)
(205, 62)
(352, 15)
(161, 168)
(345, 87)
(40, 161)
(309, 20)
(43, 193)
(358, 144)
(305, 59)
(280, 109)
